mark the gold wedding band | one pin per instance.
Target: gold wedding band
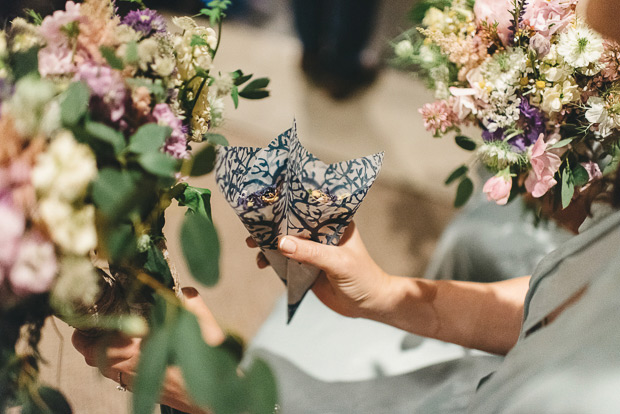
(121, 386)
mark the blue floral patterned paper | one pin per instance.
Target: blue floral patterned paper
(304, 197)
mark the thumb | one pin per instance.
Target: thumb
(308, 252)
(211, 331)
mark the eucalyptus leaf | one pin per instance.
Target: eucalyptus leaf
(458, 173)
(25, 63)
(120, 242)
(256, 84)
(151, 369)
(261, 389)
(463, 192)
(155, 264)
(241, 78)
(203, 162)
(210, 373)
(257, 94)
(580, 176)
(149, 138)
(255, 89)
(561, 143)
(159, 163)
(465, 142)
(216, 139)
(131, 54)
(234, 94)
(75, 103)
(201, 248)
(568, 187)
(110, 56)
(111, 190)
(197, 200)
(106, 134)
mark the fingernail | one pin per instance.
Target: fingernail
(287, 245)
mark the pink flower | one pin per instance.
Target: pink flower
(548, 17)
(594, 172)
(544, 167)
(108, 85)
(438, 117)
(176, 144)
(495, 11)
(12, 225)
(498, 188)
(51, 28)
(35, 266)
(57, 60)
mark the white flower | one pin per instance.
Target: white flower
(35, 266)
(552, 99)
(580, 46)
(65, 169)
(73, 230)
(217, 110)
(426, 54)
(184, 22)
(28, 105)
(434, 19)
(148, 49)
(77, 282)
(403, 49)
(597, 114)
(163, 65)
(222, 84)
(497, 155)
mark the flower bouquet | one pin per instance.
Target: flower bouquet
(542, 87)
(99, 114)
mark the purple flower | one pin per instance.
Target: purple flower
(261, 198)
(532, 122)
(489, 136)
(146, 21)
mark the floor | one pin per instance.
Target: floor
(400, 219)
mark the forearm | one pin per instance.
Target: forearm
(485, 316)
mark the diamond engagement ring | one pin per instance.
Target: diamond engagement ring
(121, 386)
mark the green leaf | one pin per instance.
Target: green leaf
(203, 162)
(75, 103)
(131, 55)
(197, 200)
(465, 142)
(149, 138)
(568, 187)
(106, 134)
(240, 78)
(159, 163)
(561, 143)
(120, 241)
(111, 190)
(580, 176)
(255, 89)
(110, 56)
(156, 265)
(201, 248)
(260, 94)
(234, 94)
(25, 63)
(458, 173)
(210, 373)
(463, 192)
(151, 370)
(260, 388)
(216, 139)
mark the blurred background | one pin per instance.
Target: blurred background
(403, 214)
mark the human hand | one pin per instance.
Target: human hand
(116, 356)
(350, 283)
